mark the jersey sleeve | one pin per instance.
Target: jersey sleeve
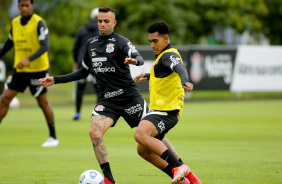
(172, 60)
(131, 52)
(76, 75)
(8, 44)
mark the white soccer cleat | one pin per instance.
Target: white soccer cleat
(51, 142)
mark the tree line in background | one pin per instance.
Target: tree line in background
(191, 22)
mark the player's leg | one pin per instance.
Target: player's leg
(191, 177)
(99, 125)
(168, 144)
(40, 93)
(154, 159)
(47, 110)
(148, 134)
(16, 82)
(6, 98)
(80, 86)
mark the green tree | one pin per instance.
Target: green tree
(190, 21)
(273, 22)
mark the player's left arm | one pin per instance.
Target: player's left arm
(173, 61)
(132, 55)
(43, 38)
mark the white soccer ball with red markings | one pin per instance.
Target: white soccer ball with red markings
(91, 177)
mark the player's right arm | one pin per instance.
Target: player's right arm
(76, 75)
(47, 81)
(8, 44)
(142, 77)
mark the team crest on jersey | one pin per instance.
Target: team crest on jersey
(99, 108)
(110, 48)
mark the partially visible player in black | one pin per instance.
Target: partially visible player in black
(85, 32)
(109, 54)
(29, 36)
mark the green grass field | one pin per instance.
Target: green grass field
(223, 142)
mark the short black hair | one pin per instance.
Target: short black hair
(31, 1)
(106, 9)
(160, 27)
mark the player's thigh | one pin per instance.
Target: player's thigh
(162, 120)
(146, 127)
(8, 95)
(17, 81)
(35, 87)
(105, 110)
(101, 123)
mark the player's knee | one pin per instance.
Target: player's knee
(138, 137)
(5, 100)
(95, 132)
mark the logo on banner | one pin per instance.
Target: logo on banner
(110, 48)
(196, 70)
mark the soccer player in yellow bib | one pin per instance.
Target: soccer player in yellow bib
(168, 79)
(29, 36)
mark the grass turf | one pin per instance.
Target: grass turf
(223, 142)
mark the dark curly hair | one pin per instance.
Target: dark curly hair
(31, 1)
(160, 27)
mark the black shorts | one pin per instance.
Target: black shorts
(19, 81)
(132, 110)
(163, 121)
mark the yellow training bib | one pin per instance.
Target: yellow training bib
(26, 43)
(167, 93)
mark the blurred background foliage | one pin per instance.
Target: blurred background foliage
(191, 22)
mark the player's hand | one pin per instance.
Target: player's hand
(23, 63)
(47, 81)
(130, 61)
(140, 77)
(188, 86)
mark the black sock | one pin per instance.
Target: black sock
(179, 160)
(107, 171)
(170, 159)
(52, 130)
(168, 171)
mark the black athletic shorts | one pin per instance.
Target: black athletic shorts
(163, 121)
(132, 110)
(19, 81)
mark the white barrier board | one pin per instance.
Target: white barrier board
(257, 68)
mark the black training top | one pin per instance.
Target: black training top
(106, 55)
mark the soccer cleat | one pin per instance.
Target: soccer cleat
(179, 173)
(76, 116)
(184, 181)
(51, 142)
(107, 181)
(192, 178)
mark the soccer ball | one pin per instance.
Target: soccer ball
(15, 103)
(91, 177)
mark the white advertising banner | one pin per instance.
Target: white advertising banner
(257, 68)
